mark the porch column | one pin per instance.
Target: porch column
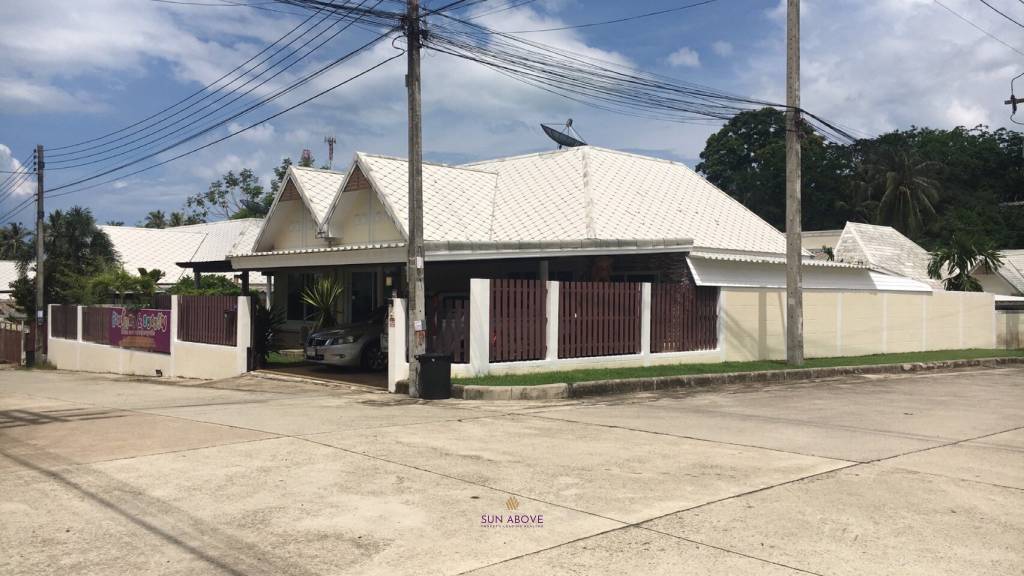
(551, 339)
(245, 283)
(542, 271)
(197, 278)
(479, 325)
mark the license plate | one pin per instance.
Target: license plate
(314, 355)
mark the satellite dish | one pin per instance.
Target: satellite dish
(567, 136)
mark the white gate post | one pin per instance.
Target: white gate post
(552, 323)
(645, 322)
(398, 366)
(479, 325)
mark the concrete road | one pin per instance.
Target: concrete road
(108, 475)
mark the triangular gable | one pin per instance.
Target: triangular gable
(360, 177)
(290, 191)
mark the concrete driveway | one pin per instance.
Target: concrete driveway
(107, 475)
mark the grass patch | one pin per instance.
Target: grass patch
(571, 376)
(278, 359)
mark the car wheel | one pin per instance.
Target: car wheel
(374, 358)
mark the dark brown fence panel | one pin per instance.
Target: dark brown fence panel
(518, 320)
(11, 339)
(598, 319)
(161, 301)
(64, 321)
(684, 317)
(208, 319)
(448, 329)
(96, 324)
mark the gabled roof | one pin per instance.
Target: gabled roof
(163, 248)
(584, 193)
(318, 189)
(884, 248)
(1012, 269)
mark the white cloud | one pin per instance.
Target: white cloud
(722, 48)
(261, 133)
(684, 57)
(25, 185)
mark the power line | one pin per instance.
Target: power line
(160, 126)
(1001, 13)
(615, 21)
(979, 28)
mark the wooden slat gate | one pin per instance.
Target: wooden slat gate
(64, 323)
(11, 340)
(598, 319)
(448, 329)
(684, 317)
(518, 320)
(208, 319)
(96, 324)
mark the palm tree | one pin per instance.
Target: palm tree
(14, 241)
(958, 259)
(905, 187)
(177, 219)
(155, 219)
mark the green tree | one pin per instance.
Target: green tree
(233, 196)
(323, 297)
(116, 285)
(746, 158)
(209, 285)
(14, 242)
(75, 250)
(155, 219)
(959, 259)
(906, 188)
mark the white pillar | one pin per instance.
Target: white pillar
(479, 325)
(243, 334)
(645, 322)
(552, 322)
(174, 335)
(398, 366)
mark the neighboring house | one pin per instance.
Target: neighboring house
(577, 214)
(174, 250)
(1008, 279)
(817, 241)
(8, 274)
(884, 249)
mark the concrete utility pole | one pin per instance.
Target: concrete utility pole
(794, 280)
(416, 328)
(40, 254)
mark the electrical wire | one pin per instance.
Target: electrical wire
(1001, 13)
(615, 21)
(979, 28)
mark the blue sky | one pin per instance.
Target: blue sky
(76, 70)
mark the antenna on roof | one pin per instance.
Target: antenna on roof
(330, 140)
(563, 137)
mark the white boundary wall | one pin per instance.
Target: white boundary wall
(186, 360)
(751, 326)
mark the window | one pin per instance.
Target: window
(296, 308)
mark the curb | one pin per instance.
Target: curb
(625, 386)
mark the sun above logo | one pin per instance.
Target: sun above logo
(512, 503)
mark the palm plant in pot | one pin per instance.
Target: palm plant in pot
(323, 296)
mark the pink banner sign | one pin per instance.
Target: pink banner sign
(144, 329)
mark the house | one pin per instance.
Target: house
(1008, 279)
(884, 249)
(820, 242)
(174, 251)
(8, 274)
(577, 214)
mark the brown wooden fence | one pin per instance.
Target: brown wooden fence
(518, 320)
(208, 319)
(598, 319)
(448, 329)
(684, 317)
(11, 340)
(64, 321)
(96, 324)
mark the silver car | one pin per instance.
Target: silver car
(356, 344)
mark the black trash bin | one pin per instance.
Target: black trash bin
(435, 376)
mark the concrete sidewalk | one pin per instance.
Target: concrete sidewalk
(918, 474)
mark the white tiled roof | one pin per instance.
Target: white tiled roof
(8, 274)
(155, 248)
(163, 248)
(1012, 269)
(319, 187)
(570, 194)
(884, 248)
